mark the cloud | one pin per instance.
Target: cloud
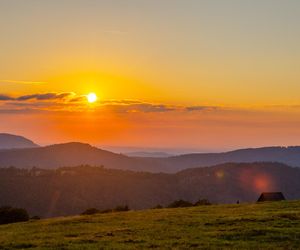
(78, 98)
(201, 108)
(36, 103)
(5, 98)
(122, 101)
(131, 106)
(40, 97)
(46, 96)
(20, 82)
(148, 107)
(69, 101)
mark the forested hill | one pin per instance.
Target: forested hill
(67, 191)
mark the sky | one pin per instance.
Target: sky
(210, 75)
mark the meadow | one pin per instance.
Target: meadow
(270, 225)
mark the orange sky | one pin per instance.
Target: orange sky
(203, 74)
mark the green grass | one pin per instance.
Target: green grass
(246, 226)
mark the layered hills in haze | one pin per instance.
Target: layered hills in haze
(61, 180)
(149, 154)
(74, 154)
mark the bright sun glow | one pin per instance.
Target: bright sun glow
(92, 97)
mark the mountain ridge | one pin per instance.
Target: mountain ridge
(72, 154)
(10, 141)
(77, 153)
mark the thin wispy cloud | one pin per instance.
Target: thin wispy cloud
(20, 82)
(40, 97)
(71, 101)
(46, 96)
(139, 107)
(201, 108)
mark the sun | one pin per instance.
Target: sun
(92, 97)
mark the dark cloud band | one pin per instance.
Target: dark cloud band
(40, 97)
(6, 98)
(71, 101)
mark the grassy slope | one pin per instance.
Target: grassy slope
(254, 226)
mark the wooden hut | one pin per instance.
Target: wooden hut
(275, 196)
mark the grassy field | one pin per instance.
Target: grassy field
(246, 226)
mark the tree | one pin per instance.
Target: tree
(180, 203)
(12, 215)
(202, 202)
(90, 211)
(121, 208)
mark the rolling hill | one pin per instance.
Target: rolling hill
(69, 191)
(286, 155)
(8, 141)
(74, 154)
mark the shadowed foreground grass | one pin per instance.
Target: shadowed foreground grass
(255, 226)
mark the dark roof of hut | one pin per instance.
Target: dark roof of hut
(274, 196)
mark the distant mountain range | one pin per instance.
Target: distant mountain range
(56, 180)
(148, 154)
(67, 191)
(8, 141)
(26, 154)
